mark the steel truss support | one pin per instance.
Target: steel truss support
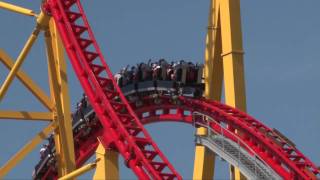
(26, 150)
(24, 115)
(17, 9)
(224, 60)
(204, 159)
(27, 81)
(58, 105)
(23, 54)
(107, 166)
(59, 90)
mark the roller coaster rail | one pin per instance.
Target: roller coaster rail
(187, 109)
(118, 123)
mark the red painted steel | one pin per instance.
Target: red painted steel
(284, 158)
(116, 116)
(280, 155)
(121, 127)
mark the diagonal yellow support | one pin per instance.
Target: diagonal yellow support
(5, 169)
(17, 9)
(27, 81)
(42, 22)
(80, 171)
(25, 115)
(18, 63)
(60, 103)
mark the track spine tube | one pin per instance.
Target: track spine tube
(105, 108)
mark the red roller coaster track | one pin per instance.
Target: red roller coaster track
(121, 125)
(280, 155)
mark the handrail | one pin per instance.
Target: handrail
(239, 141)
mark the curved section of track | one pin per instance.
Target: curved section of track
(119, 124)
(125, 131)
(272, 148)
(265, 144)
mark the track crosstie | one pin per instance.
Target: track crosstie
(279, 154)
(125, 131)
(122, 123)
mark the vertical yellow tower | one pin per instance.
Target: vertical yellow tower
(223, 65)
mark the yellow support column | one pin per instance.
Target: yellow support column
(223, 60)
(213, 74)
(204, 160)
(232, 54)
(107, 166)
(59, 90)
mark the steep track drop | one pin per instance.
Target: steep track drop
(122, 128)
(125, 131)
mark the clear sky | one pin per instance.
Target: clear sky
(281, 44)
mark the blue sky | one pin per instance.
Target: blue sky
(281, 44)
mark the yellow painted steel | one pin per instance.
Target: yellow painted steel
(233, 67)
(213, 72)
(18, 63)
(26, 150)
(42, 22)
(59, 90)
(204, 159)
(107, 167)
(27, 81)
(224, 61)
(17, 9)
(60, 103)
(79, 171)
(232, 54)
(25, 115)
(204, 163)
(223, 58)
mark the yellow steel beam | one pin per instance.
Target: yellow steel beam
(17, 9)
(80, 171)
(204, 160)
(59, 90)
(25, 115)
(233, 66)
(224, 60)
(107, 167)
(204, 163)
(27, 81)
(213, 74)
(42, 22)
(232, 53)
(26, 150)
